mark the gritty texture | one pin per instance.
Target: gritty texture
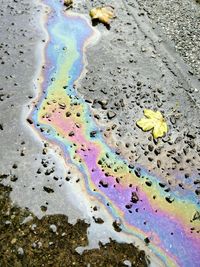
(180, 21)
(132, 75)
(51, 241)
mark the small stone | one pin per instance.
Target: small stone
(62, 105)
(34, 245)
(196, 216)
(8, 222)
(158, 163)
(147, 240)
(20, 251)
(104, 184)
(134, 197)
(191, 144)
(169, 199)
(97, 116)
(33, 226)
(137, 172)
(177, 159)
(22, 153)
(150, 147)
(197, 191)
(98, 220)
(68, 114)
(71, 133)
(157, 151)
(30, 121)
(148, 183)
(53, 228)
(48, 189)
(44, 151)
(14, 166)
(173, 120)
(13, 178)
(186, 150)
(13, 241)
(111, 114)
(116, 225)
(128, 206)
(49, 171)
(93, 133)
(39, 171)
(191, 135)
(43, 208)
(127, 263)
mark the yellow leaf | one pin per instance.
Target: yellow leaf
(103, 14)
(154, 121)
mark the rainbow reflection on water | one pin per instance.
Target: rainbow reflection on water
(63, 118)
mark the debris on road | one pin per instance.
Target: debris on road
(103, 14)
(154, 121)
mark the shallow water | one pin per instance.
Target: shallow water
(62, 117)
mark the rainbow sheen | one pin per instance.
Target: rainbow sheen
(130, 193)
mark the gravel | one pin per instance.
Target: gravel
(180, 21)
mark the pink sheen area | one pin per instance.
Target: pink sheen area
(65, 126)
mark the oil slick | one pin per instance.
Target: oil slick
(146, 209)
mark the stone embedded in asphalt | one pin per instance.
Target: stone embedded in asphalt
(111, 114)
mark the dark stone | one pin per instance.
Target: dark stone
(116, 226)
(71, 133)
(111, 114)
(48, 189)
(169, 199)
(134, 197)
(104, 184)
(98, 220)
(137, 172)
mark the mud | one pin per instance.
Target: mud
(52, 241)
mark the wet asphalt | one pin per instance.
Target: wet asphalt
(148, 59)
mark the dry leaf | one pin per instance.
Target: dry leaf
(154, 121)
(103, 14)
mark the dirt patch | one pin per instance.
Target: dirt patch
(27, 241)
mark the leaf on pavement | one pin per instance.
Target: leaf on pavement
(103, 14)
(154, 121)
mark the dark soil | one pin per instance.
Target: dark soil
(26, 240)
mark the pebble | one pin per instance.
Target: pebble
(111, 114)
(128, 263)
(20, 251)
(53, 228)
(191, 135)
(13, 241)
(8, 222)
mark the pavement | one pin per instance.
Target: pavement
(148, 59)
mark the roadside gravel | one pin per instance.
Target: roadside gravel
(180, 21)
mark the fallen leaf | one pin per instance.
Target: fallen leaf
(103, 14)
(154, 121)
